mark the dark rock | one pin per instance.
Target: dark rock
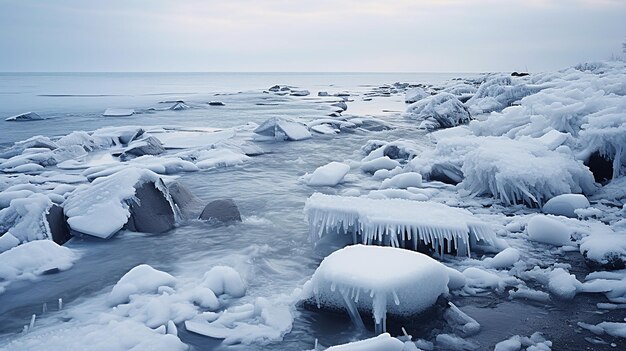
(601, 167)
(274, 88)
(613, 262)
(446, 173)
(341, 104)
(519, 74)
(216, 103)
(57, 223)
(221, 211)
(151, 212)
(147, 146)
(396, 153)
(188, 204)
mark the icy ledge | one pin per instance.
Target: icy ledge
(397, 223)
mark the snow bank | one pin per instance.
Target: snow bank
(141, 279)
(443, 110)
(328, 175)
(397, 222)
(378, 343)
(380, 280)
(101, 208)
(280, 129)
(31, 259)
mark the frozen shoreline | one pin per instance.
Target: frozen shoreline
(551, 120)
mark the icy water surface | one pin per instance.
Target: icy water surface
(270, 247)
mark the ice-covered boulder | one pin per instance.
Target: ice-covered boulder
(400, 150)
(25, 217)
(403, 181)
(26, 116)
(414, 95)
(384, 162)
(142, 279)
(146, 146)
(222, 211)
(549, 230)
(118, 112)
(443, 110)
(382, 281)
(106, 205)
(499, 92)
(280, 129)
(604, 249)
(328, 175)
(397, 223)
(565, 205)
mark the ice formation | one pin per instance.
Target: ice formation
(498, 92)
(403, 181)
(566, 205)
(443, 110)
(280, 129)
(26, 116)
(367, 278)
(328, 175)
(397, 222)
(101, 208)
(141, 279)
(378, 343)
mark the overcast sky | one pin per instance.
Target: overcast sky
(321, 35)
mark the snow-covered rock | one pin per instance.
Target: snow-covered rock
(403, 181)
(565, 205)
(382, 342)
(103, 207)
(379, 280)
(397, 222)
(142, 279)
(379, 163)
(414, 95)
(118, 112)
(31, 259)
(549, 230)
(26, 116)
(443, 110)
(604, 249)
(328, 175)
(280, 129)
(224, 280)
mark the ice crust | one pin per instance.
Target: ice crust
(396, 222)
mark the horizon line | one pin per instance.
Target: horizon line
(257, 72)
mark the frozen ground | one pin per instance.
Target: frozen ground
(205, 286)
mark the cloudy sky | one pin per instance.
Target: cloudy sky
(321, 35)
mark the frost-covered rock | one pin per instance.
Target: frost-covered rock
(280, 129)
(378, 343)
(147, 146)
(118, 112)
(549, 230)
(565, 205)
(31, 259)
(414, 95)
(222, 211)
(26, 116)
(104, 206)
(443, 110)
(328, 175)
(400, 150)
(397, 223)
(604, 250)
(142, 279)
(378, 280)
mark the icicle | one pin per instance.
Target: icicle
(396, 299)
(32, 322)
(353, 312)
(60, 304)
(44, 308)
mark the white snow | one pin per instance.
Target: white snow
(549, 230)
(382, 342)
(566, 205)
(396, 220)
(141, 279)
(379, 279)
(184, 139)
(31, 259)
(8, 241)
(603, 246)
(101, 207)
(328, 175)
(118, 112)
(224, 280)
(403, 181)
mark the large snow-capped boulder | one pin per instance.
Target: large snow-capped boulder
(565, 205)
(222, 211)
(604, 249)
(549, 230)
(381, 281)
(443, 110)
(133, 197)
(280, 129)
(26, 116)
